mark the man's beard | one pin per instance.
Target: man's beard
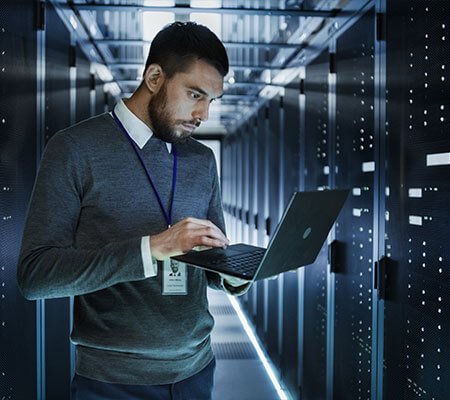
(162, 125)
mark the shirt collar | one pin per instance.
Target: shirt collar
(137, 129)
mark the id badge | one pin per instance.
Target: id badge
(174, 279)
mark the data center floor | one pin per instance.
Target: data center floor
(240, 374)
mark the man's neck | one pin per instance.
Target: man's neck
(138, 107)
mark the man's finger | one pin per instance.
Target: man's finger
(211, 233)
(203, 222)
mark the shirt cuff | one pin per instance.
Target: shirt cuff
(234, 290)
(150, 267)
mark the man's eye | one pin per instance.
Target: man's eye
(195, 95)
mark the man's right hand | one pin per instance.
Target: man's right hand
(184, 236)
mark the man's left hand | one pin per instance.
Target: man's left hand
(233, 280)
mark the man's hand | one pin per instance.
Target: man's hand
(184, 236)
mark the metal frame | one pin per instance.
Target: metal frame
(185, 10)
(73, 102)
(281, 168)
(227, 84)
(379, 197)
(142, 42)
(331, 280)
(301, 271)
(40, 140)
(137, 65)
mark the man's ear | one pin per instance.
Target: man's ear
(153, 78)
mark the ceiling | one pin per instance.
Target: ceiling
(264, 41)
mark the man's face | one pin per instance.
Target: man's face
(183, 102)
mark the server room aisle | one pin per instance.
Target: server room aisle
(240, 374)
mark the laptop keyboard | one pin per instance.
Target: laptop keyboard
(244, 263)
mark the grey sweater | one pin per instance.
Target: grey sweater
(90, 206)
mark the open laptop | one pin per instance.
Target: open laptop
(297, 240)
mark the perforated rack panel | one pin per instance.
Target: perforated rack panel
(274, 143)
(262, 148)
(290, 345)
(355, 165)
(17, 173)
(57, 76)
(417, 317)
(57, 117)
(83, 83)
(316, 160)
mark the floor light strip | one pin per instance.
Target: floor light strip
(256, 345)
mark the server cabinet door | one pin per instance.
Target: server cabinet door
(83, 85)
(316, 138)
(417, 318)
(290, 326)
(99, 97)
(57, 74)
(238, 183)
(274, 161)
(18, 160)
(245, 182)
(261, 309)
(355, 165)
(57, 116)
(253, 202)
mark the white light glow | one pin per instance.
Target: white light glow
(206, 3)
(357, 212)
(438, 159)
(159, 3)
(112, 88)
(102, 71)
(368, 166)
(73, 22)
(413, 192)
(153, 22)
(254, 340)
(212, 21)
(415, 220)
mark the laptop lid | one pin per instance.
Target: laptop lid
(296, 241)
(302, 230)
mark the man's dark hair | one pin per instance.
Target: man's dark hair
(179, 44)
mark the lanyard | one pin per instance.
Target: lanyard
(167, 217)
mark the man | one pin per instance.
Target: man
(114, 194)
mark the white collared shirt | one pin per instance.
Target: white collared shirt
(141, 134)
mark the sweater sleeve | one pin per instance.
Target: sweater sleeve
(215, 215)
(49, 264)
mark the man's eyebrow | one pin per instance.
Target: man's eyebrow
(197, 89)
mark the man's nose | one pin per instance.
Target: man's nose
(201, 111)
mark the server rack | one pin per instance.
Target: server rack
(361, 322)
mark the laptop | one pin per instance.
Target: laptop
(296, 242)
